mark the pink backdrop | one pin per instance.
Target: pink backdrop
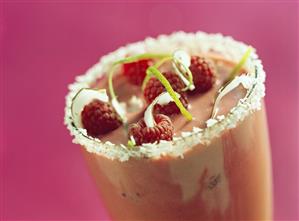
(45, 45)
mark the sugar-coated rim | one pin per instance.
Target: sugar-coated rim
(198, 42)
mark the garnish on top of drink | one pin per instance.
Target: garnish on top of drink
(162, 95)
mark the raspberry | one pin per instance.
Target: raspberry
(154, 87)
(163, 130)
(136, 71)
(99, 118)
(203, 74)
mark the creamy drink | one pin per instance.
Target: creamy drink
(183, 132)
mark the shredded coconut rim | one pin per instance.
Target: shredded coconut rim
(194, 43)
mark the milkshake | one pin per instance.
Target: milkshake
(183, 139)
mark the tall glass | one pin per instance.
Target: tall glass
(230, 179)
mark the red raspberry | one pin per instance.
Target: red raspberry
(99, 118)
(136, 71)
(163, 130)
(154, 87)
(203, 74)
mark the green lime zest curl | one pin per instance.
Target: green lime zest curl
(129, 60)
(238, 67)
(154, 71)
(131, 144)
(146, 79)
(110, 82)
(157, 65)
(140, 57)
(162, 61)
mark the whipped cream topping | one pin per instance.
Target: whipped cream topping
(193, 43)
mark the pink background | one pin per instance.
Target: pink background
(45, 45)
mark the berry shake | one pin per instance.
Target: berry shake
(174, 128)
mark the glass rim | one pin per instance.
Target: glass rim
(188, 139)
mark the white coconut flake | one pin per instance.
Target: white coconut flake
(133, 140)
(84, 97)
(120, 109)
(186, 133)
(183, 57)
(192, 43)
(220, 117)
(211, 122)
(196, 129)
(176, 138)
(246, 82)
(162, 99)
(181, 63)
